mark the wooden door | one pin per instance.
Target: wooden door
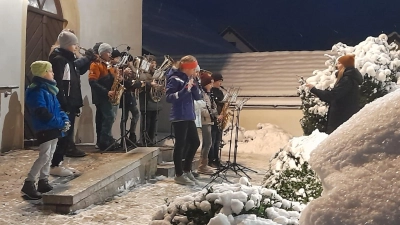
(44, 23)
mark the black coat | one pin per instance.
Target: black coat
(128, 95)
(217, 96)
(343, 99)
(69, 95)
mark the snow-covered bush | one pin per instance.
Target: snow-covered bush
(377, 61)
(230, 204)
(289, 172)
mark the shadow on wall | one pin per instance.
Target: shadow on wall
(13, 132)
(85, 128)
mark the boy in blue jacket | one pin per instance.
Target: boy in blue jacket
(49, 123)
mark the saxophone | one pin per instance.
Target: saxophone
(118, 89)
(229, 97)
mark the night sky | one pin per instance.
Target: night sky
(297, 24)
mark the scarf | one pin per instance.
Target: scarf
(50, 84)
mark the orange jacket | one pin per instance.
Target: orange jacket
(99, 70)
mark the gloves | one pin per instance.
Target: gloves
(66, 127)
(90, 54)
(190, 84)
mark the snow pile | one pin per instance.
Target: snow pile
(265, 140)
(228, 204)
(375, 58)
(359, 167)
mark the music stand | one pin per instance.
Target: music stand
(124, 133)
(229, 98)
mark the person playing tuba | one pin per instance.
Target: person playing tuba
(149, 109)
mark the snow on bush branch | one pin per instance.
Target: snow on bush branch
(377, 61)
(289, 172)
(228, 204)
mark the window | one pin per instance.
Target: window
(46, 5)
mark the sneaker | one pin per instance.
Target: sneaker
(44, 186)
(60, 171)
(184, 180)
(191, 177)
(73, 152)
(207, 170)
(30, 191)
(96, 146)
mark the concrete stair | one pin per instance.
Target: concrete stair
(107, 180)
(166, 166)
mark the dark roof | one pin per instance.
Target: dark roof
(269, 78)
(233, 31)
(168, 30)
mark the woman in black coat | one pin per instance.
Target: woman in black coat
(344, 98)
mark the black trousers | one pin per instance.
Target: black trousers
(65, 142)
(148, 126)
(216, 136)
(99, 118)
(186, 136)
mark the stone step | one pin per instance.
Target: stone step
(168, 169)
(166, 154)
(107, 180)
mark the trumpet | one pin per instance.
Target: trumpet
(82, 49)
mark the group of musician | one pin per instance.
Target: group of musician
(186, 87)
(190, 89)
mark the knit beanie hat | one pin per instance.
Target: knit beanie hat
(115, 53)
(347, 60)
(105, 48)
(217, 77)
(66, 39)
(38, 68)
(205, 79)
(96, 47)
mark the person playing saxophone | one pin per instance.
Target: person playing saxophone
(217, 95)
(101, 79)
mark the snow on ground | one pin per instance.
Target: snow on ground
(266, 140)
(134, 207)
(359, 167)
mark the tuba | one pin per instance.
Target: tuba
(156, 93)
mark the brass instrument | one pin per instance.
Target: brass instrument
(232, 94)
(117, 87)
(157, 92)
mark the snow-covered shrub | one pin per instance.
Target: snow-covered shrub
(377, 61)
(289, 172)
(230, 204)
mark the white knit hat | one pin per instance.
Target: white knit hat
(105, 48)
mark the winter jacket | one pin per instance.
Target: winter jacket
(198, 105)
(145, 100)
(101, 80)
(128, 96)
(209, 110)
(67, 78)
(181, 97)
(218, 96)
(46, 115)
(343, 99)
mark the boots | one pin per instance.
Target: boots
(44, 186)
(30, 191)
(204, 168)
(73, 152)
